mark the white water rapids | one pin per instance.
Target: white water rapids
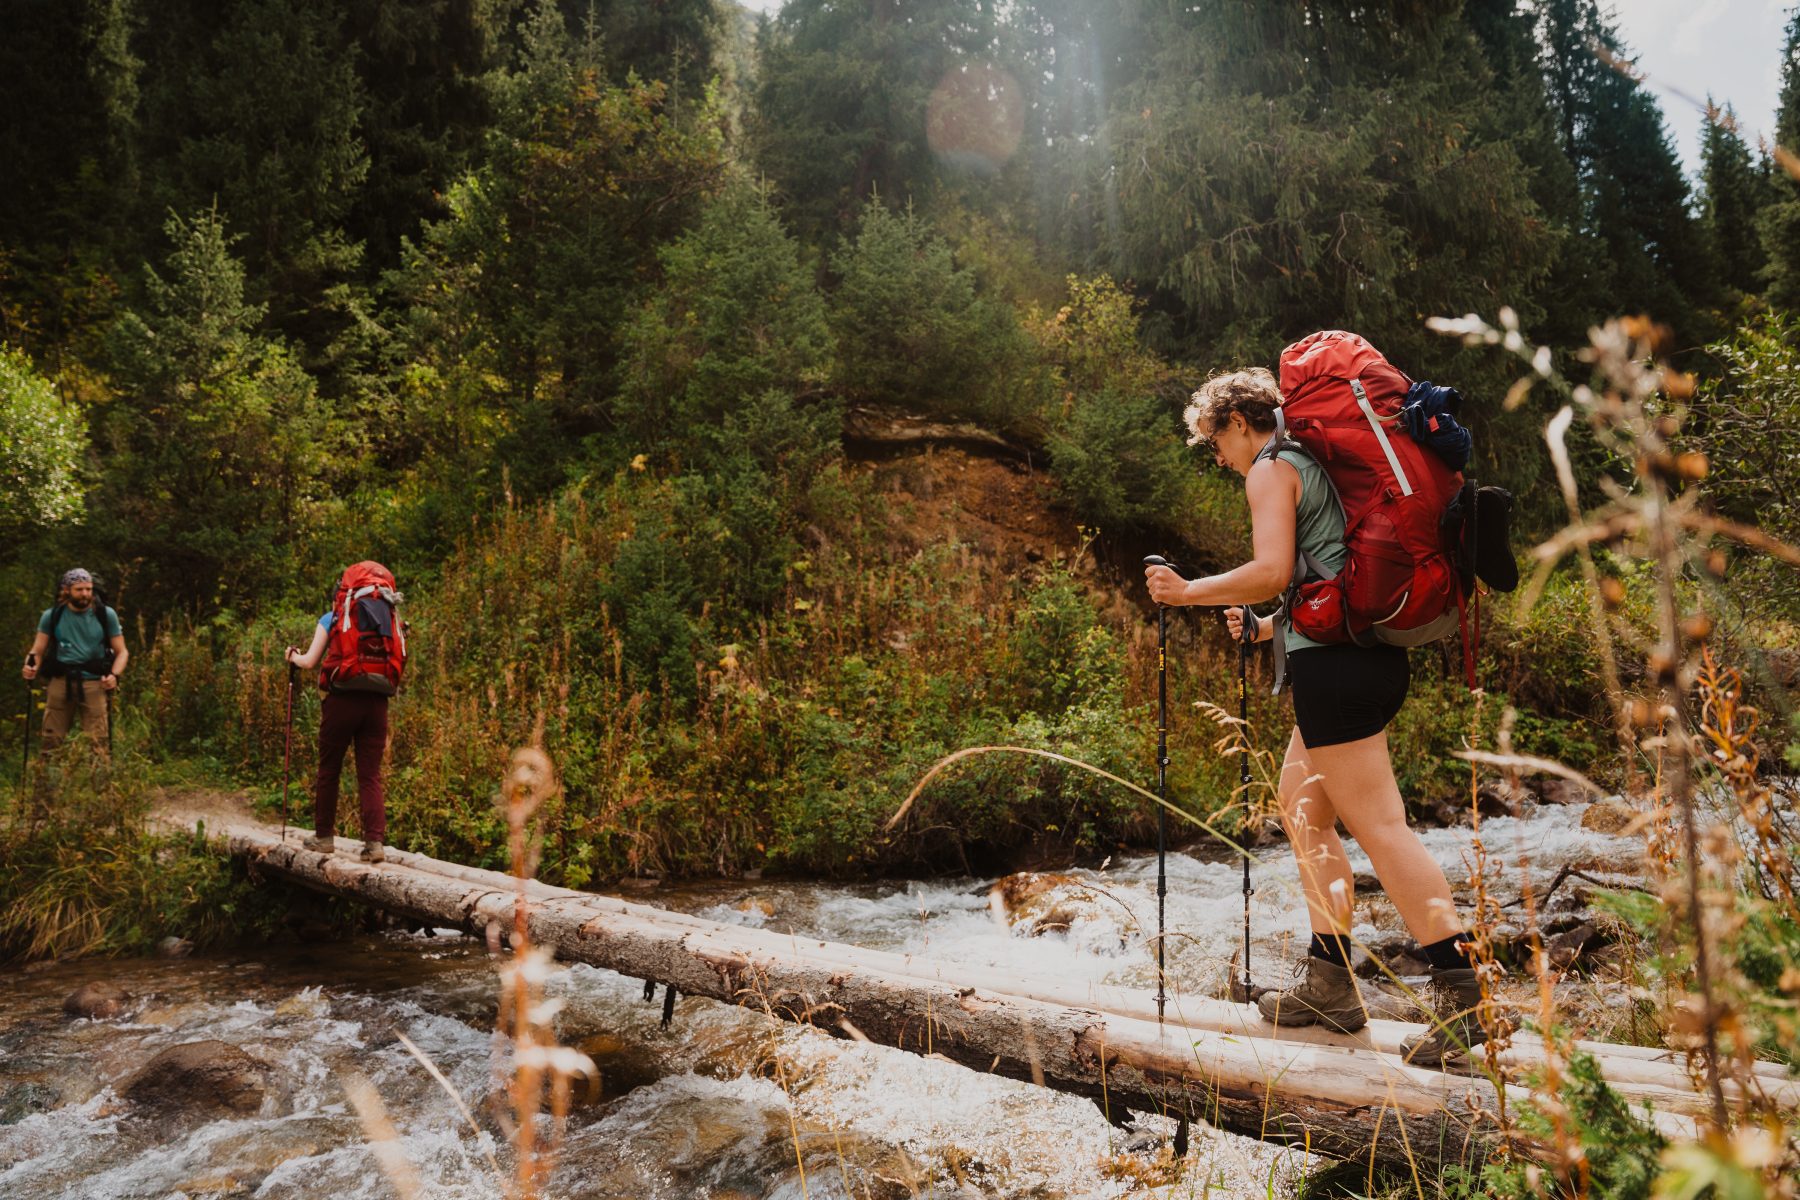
(724, 1105)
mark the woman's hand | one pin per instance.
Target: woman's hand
(1234, 623)
(1166, 587)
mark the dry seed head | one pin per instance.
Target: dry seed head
(1715, 564)
(1612, 592)
(1697, 628)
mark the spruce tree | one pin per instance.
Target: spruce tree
(1636, 203)
(218, 454)
(1282, 169)
(1781, 220)
(1730, 203)
(842, 95)
(528, 280)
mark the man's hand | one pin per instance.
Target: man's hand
(29, 671)
(109, 681)
(1166, 587)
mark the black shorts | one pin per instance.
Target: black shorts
(1347, 692)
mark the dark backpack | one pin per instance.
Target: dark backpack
(101, 664)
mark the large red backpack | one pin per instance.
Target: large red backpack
(366, 648)
(1341, 404)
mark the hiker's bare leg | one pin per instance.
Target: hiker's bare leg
(1367, 800)
(1311, 823)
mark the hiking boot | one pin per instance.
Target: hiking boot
(1328, 996)
(1454, 1029)
(373, 853)
(324, 845)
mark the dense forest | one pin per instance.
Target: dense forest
(561, 311)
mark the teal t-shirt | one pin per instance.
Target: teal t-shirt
(1318, 525)
(80, 636)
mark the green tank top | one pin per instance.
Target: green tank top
(1318, 525)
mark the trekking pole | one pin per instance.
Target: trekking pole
(1162, 767)
(287, 750)
(1246, 639)
(109, 716)
(25, 742)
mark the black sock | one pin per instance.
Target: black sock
(1447, 954)
(1332, 947)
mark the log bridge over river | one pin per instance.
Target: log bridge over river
(1211, 1060)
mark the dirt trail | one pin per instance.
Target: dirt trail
(180, 808)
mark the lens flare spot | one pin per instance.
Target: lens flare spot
(975, 117)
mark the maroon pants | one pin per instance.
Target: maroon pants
(362, 718)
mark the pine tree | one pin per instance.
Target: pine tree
(258, 110)
(68, 81)
(420, 69)
(1781, 220)
(1732, 195)
(529, 277)
(676, 42)
(216, 448)
(1636, 203)
(842, 96)
(1283, 168)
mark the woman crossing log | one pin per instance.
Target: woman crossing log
(1345, 694)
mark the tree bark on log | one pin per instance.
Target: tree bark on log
(1213, 1061)
(1643, 1074)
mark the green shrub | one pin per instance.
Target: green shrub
(1119, 463)
(913, 331)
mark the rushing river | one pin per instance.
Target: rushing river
(724, 1104)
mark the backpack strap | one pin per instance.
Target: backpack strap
(53, 666)
(1305, 565)
(1387, 447)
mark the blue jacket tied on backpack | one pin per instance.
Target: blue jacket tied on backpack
(1429, 414)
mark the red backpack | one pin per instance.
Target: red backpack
(1341, 404)
(366, 647)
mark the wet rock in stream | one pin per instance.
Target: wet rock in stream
(208, 1075)
(22, 1100)
(96, 1001)
(1608, 816)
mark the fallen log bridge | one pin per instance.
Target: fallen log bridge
(1211, 1061)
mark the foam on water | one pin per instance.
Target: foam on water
(1110, 915)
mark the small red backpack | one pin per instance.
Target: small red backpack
(1341, 403)
(365, 650)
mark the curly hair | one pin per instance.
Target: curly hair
(1251, 392)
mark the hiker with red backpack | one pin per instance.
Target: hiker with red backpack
(360, 647)
(1365, 529)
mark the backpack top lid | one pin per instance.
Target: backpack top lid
(1338, 354)
(367, 573)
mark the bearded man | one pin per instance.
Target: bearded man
(80, 651)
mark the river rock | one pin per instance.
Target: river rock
(1498, 798)
(1571, 944)
(96, 1001)
(21, 1100)
(174, 947)
(208, 1075)
(1608, 816)
(1556, 790)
